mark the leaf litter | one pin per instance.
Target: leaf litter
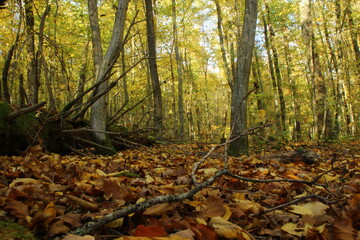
(52, 194)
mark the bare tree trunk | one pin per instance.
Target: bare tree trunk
(241, 82)
(103, 66)
(294, 92)
(317, 78)
(354, 37)
(272, 71)
(181, 128)
(158, 117)
(32, 71)
(222, 45)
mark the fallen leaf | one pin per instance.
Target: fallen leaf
(150, 231)
(343, 229)
(311, 209)
(76, 237)
(203, 232)
(159, 209)
(293, 229)
(228, 229)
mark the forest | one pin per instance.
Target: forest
(192, 119)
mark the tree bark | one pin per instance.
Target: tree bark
(277, 70)
(158, 116)
(222, 45)
(181, 128)
(272, 71)
(32, 71)
(103, 67)
(241, 81)
(317, 78)
(294, 93)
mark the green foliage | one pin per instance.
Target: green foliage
(14, 231)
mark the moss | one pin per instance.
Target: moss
(4, 112)
(14, 231)
(27, 124)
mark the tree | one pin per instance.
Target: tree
(180, 131)
(317, 81)
(239, 144)
(32, 72)
(158, 116)
(103, 66)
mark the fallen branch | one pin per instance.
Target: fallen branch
(22, 111)
(96, 224)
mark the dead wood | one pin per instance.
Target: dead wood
(306, 156)
(22, 111)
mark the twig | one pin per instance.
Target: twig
(95, 224)
(281, 206)
(91, 143)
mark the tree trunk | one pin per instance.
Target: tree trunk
(222, 44)
(277, 71)
(181, 128)
(317, 78)
(239, 145)
(103, 67)
(158, 117)
(32, 71)
(272, 71)
(294, 94)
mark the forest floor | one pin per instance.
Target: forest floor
(51, 194)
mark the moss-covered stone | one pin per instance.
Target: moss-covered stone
(14, 231)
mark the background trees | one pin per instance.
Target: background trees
(306, 65)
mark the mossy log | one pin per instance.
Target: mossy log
(24, 127)
(28, 126)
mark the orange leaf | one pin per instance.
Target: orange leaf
(204, 232)
(150, 231)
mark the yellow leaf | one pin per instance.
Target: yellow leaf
(201, 221)
(100, 173)
(249, 206)
(228, 212)
(209, 172)
(117, 223)
(149, 179)
(75, 237)
(228, 229)
(312, 209)
(293, 229)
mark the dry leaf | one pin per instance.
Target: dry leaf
(159, 209)
(311, 209)
(228, 229)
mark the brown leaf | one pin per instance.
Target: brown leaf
(57, 228)
(83, 203)
(159, 209)
(150, 231)
(72, 219)
(343, 229)
(17, 209)
(214, 207)
(113, 189)
(203, 232)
